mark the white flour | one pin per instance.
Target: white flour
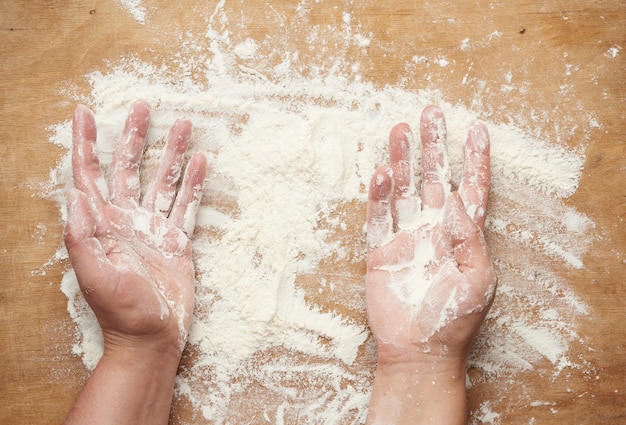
(136, 9)
(288, 153)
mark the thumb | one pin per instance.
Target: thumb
(85, 251)
(80, 223)
(468, 242)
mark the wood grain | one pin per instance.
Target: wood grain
(557, 48)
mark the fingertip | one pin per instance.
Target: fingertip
(184, 123)
(139, 116)
(401, 128)
(198, 167)
(478, 137)
(181, 132)
(83, 124)
(432, 124)
(432, 110)
(201, 159)
(81, 109)
(381, 184)
(400, 143)
(468, 241)
(76, 201)
(455, 205)
(459, 225)
(72, 197)
(432, 120)
(141, 105)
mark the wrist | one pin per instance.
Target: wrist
(425, 359)
(428, 373)
(142, 358)
(429, 390)
(162, 348)
(130, 385)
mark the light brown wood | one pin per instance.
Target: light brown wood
(557, 47)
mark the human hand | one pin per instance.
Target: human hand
(132, 258)
(430, 281)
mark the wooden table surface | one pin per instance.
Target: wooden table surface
(568, 53)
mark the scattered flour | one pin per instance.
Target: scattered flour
(289, 155)
(136, 9)
(613, 51)
(486, 415)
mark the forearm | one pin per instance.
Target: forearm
(127, 387)
(419, 393)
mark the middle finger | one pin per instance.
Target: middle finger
(435, 166)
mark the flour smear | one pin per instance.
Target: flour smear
(280, 232)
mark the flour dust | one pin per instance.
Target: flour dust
(280, 230)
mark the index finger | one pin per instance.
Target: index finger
(162, 191)
(124, 176)
(404, 201)
(476, 179)
(187, 202)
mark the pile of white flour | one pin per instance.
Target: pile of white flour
(288, 153)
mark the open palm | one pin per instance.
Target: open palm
(132, 257)
(429, 280)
